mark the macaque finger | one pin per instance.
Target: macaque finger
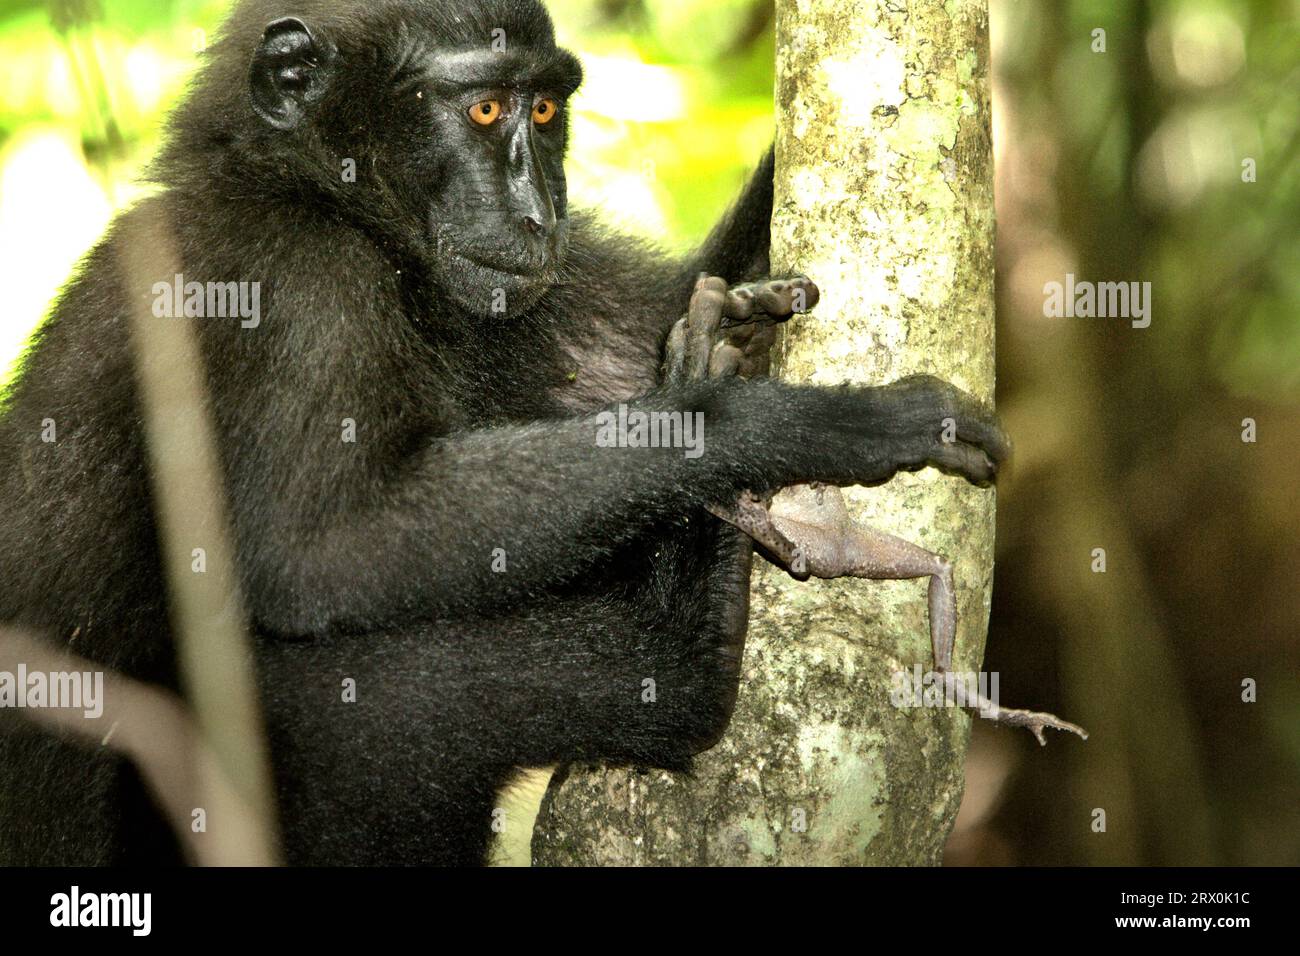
(675, 353)
(739, 335)
(726, 360)
(772, 300)
(703, 322)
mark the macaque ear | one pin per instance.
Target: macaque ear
(290, 69)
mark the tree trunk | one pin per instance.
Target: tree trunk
(884, 196)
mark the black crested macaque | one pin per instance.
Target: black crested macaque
(389, 176)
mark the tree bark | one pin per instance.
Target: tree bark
(884, 196)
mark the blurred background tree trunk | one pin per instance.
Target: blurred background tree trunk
(884, 196)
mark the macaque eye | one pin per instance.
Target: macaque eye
(545, 111)
(485, 113)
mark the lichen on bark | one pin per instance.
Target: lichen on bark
(884, 196)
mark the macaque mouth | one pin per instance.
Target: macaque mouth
(508, 255)
(527, 261)
(519, 267)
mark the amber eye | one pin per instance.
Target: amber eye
(544, 112)
(485, 113)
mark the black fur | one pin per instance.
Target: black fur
(475, 432)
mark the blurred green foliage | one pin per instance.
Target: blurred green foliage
(1158, 128)
(1168, 157)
